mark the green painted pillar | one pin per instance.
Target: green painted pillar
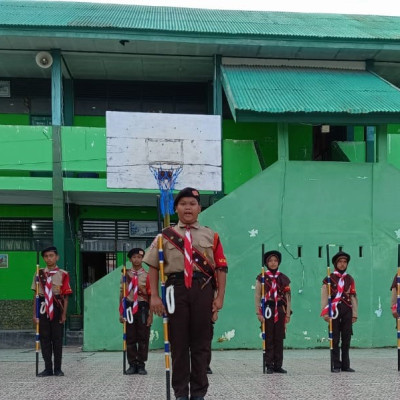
(381, 143)
(58, 192)
(217, 85)
(217, 103)
(283, 141)
(370, 143)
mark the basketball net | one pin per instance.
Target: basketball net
(166, 176)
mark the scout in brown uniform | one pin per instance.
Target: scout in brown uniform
(140, 319)
(198, 293)
(278, 310)
(344, 305)
(54, 289)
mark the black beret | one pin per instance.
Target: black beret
(187, 192)
(340, 254)
(136, 250)
(47, 249)
(270, 253)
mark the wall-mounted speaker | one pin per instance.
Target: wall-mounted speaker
(44, 59)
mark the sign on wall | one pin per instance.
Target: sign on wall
(3, 260)
(136, 141)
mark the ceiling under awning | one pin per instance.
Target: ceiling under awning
(298, 94)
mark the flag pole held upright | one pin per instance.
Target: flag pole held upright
(328, 277)
(37, 307)
(398, 308)
(124, 310)
(164, 300)
(263, 306)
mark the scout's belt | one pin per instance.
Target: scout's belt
(181, 275)
(199, 260)
(57, 300)
(143, 309)
(141, 304)
(271, 304)
(345, 299)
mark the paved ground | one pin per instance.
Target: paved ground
(237, 376)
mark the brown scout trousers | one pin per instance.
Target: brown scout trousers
(137, 336)
(342, 328)
(274, 335)
(190, 336)
(51, 339)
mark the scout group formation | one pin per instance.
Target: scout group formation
(192, 258)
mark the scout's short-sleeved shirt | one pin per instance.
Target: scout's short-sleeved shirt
(144, 284)
(204, 240)
(59, 280)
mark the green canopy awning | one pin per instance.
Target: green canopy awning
(309, 95)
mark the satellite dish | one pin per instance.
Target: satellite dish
(44, 59)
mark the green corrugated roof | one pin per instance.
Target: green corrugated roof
(286, 90)
(75, 16)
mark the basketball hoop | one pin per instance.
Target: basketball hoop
(166, 175)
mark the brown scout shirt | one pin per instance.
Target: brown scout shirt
(202, 240)
(59, 280)
(349, 290)
(144, 285)
(284, 294)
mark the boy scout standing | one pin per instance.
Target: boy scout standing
(195, 265)
(140, 319)
(344, 310)
(278, 310)
(54, 290)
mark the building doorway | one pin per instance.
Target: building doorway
(96, 265)
(323, 137)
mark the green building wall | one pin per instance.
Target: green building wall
(287, 206)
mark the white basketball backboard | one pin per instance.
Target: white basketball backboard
(135, 141)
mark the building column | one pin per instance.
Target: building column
(217, 86)
(58, 190)
(283, 142)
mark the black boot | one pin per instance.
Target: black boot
(132, 370)
(141, 370)
(45, 372)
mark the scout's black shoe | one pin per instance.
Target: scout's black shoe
(280, 370)
(58, 372)
(182, 398)
(209, 371)
(197, 398)
(132, 370)
(270, 370)
(348, 370)
(335, 369)
(141, 370)
(45, 372)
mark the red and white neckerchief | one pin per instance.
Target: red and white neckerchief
(48, 294)
(188, 257)
(273, 292)
(134, 285)
(340, 289)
